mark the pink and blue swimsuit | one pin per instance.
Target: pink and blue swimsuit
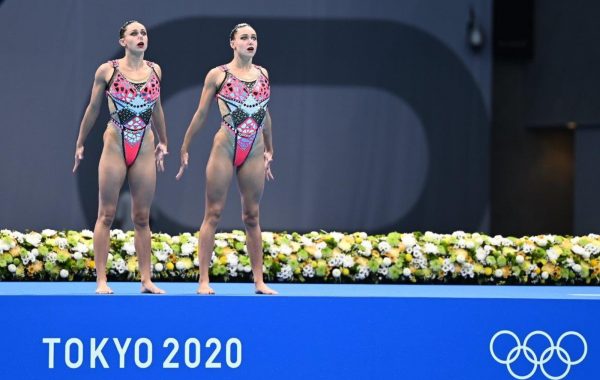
(133, 104)
(247, 109)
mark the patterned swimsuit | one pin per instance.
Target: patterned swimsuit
(247, 108)
(133, 105)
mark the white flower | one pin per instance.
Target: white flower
(495, 240)
(175, 239)
(83, 248)
(268, 237)
(33, 238)
(187, 249)
(576, 268)
(180, 265)
(120, 266)
(220, 243)
(448, 266)
(308, 271)
(247, 269)
(545, 275)
(110, 256)
(232, 272)
(158, 267)
(318, 254)
(129, 248)
(383, 271)
(432, 237)
(467, 270)
(461, 243)
(48, 232)
(365, 248)
(520, 259)
(240, 237)
(64, 273)
(527, 248)
(461, 258)
(232, 260)
(553, 253)
(120, 236)
(321, 245)
(384, 246)
(77, 255)
(336, 261)
(12, 268)
(387, 261)
(406, 272)
(336, 236)
(62, 243)
(431, 248)
(161, 255)
(336, 273)
(347, 261)
(307, 242)
(285, 273)
(409, 240)
(89, 234)
(459, 234)
(18, 236)
(167, 248)
(499, 273)
(51, 257)
(481, 254)
(196, 262)
(580, 251)
(4, 246)
(363, 272)
(285, 249)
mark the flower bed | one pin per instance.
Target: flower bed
(314, 257)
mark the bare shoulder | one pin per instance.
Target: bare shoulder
(263, 70)
(158, 69)
(215, 76)
(104, 72)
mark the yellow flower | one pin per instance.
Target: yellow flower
(170, 265)
(345, 245)
(487, 271)
(15, 251)
(223, 260)
(408, 257)
(91, 264)
(346, 272)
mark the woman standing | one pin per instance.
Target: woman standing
(242, 145)
(132, 86)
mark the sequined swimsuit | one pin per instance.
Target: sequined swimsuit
(246, 110)
(133, 105)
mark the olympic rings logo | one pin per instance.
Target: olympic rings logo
(531, 356)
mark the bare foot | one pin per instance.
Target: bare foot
(264, 289)
(103, 288)
(205, 289)
(149, 287)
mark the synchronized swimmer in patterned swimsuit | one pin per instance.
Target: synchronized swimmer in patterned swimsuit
(132, 87)
(242, 145)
